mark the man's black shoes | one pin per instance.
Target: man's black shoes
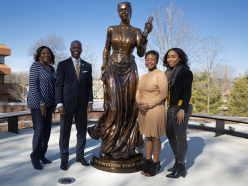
(36, 164)
(83, 161)
(64, 165)
(45, 161)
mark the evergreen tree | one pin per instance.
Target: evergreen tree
(239, 97)
(199, 96)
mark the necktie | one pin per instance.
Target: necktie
(77, 69)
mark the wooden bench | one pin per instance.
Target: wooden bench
(13, 118)
(220, 121)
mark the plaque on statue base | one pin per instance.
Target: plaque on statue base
(109, 164)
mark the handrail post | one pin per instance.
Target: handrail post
(13, 124)
(220, 127)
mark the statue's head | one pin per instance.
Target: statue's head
(125, 11)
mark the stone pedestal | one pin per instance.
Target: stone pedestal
(109, 164)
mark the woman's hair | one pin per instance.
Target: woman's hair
(38, 53)
(128, 5)
(155, 53)
(182, 56)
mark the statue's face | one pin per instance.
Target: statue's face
(124, 12)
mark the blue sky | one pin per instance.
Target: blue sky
(25, 21)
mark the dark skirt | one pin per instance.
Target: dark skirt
(118, 127)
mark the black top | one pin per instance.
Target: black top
(181, 90)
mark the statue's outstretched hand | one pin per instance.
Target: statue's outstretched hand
(149, 27)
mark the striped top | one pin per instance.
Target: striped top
(41, 86)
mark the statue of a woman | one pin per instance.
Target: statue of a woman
(117, 127)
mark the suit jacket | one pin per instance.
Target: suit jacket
(181, 90)
(69, 90)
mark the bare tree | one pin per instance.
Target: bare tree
(18, 92)
(21, 77)
(171, 29)
(97, 88)
(89, 55)
(12, 78)
(54, 42)
(20, 88)
(210, 57)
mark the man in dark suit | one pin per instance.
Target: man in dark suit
(73, 94)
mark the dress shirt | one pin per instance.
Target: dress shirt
(74, 63)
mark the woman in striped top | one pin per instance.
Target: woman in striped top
(41, 102)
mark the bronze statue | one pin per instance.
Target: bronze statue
(117, 127)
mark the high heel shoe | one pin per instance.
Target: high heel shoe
(155, 168)
(147, 166)
(179, 171)
(174, 167)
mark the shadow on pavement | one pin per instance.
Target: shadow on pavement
(167, 159)
(195, 148)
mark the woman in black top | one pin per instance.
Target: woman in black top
(180, 107)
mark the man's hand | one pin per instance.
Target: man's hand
(53, 110)
(89, 108)
(180, 116)
(61, 110)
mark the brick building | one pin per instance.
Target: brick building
(5, 70)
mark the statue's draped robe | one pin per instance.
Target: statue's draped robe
(117, 127)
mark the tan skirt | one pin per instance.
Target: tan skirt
(153, 122)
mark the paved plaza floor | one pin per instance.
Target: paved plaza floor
(210, 161)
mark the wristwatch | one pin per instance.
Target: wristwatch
(42, 104)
